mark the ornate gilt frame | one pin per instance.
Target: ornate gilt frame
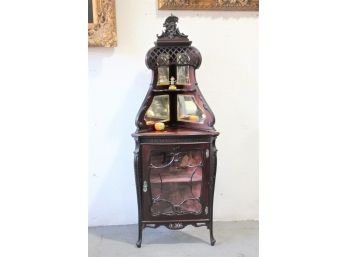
(223, 5)
(102, 32)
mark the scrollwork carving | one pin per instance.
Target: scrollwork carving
(139, 121)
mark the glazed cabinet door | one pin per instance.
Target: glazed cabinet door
(175, 181)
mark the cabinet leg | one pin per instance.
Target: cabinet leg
(212, 239)
(140, 235)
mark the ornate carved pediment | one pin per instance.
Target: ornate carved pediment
(171, 30)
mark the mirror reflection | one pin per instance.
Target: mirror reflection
(182, 70)
(176, 182)
(163, 76)
(163, 69)
(183, 75)
(188, 110)
(158, 110)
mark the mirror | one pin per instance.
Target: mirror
(188, 110)
(182, 70)
(158, 110)
(163, 76)
(183, 76)
(163, 69)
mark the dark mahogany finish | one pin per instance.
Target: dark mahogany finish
(175, 168)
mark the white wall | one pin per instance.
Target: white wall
(119, 80)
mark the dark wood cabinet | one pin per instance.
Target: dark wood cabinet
(175, 154)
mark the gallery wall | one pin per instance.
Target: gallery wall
(228, 79)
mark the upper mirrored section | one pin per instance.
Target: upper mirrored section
(158, 110)
(188, 110)
(174, 97)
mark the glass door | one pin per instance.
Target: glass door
(175, 179)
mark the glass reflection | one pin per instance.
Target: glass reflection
(158, 110)
(176, 182)
(182, 70)
(183, 76)
(188, 110)
(163, 76)
(163, 69)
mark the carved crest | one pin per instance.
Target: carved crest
(171, 30)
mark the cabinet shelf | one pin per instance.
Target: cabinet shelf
(170, 90)
(176, 177)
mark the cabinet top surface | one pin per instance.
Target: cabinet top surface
(175, 132)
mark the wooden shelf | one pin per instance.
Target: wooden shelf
(176, 177)
(175, 90)
(176, 132)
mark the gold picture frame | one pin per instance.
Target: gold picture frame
(102, 23)
(222, 5)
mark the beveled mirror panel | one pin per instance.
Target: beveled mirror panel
(188, 110)
(158, 110)
(163, 76)
(183, 76)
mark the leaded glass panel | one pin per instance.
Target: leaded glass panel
(176, 182)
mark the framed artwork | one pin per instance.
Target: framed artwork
(223, 5)
(101, 23)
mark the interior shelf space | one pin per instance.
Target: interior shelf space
(173, 175)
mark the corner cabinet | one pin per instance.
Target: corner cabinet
(175, 154)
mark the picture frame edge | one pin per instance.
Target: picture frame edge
(104, 34)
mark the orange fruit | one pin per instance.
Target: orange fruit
(159, 126)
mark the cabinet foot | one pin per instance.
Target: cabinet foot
(212, 239)
(140, 234)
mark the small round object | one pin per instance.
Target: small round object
(159, 126)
